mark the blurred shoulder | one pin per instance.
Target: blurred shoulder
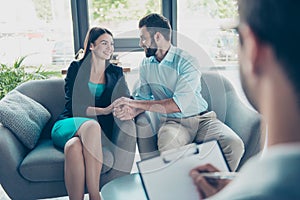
(112, 68)
(74, 65)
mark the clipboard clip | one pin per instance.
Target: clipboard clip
(181, 152)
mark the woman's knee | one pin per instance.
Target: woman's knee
(91, 128)
(73, 146)
(90, 135)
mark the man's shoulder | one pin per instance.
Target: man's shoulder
(146, 62)
(183, 55)
(180, 51)
(148, 59)
(254, 183)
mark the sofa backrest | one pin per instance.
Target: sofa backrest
(50, 93)
(223, 99)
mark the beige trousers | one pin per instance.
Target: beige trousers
(176, 132)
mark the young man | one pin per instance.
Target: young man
(170, 85)
(270, 71)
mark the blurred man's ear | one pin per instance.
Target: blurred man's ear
(250, 48)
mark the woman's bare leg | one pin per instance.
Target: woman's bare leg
(90, 135)
(74, 169)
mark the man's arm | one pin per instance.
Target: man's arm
(164, 106)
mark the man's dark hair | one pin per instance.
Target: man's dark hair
(276, 23)
(157, 23)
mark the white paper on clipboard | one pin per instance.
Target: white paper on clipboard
(167, 176)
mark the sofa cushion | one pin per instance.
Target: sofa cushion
(46, 163)
(24, 116)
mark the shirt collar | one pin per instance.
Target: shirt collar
(168, 58)
(170, 55)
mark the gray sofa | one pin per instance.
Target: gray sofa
(223, 99)
(39, 173)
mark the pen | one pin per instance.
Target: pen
(220, 175)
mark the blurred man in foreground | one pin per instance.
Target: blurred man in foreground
(270, 72)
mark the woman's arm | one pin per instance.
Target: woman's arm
(69, 85)
(94, 111)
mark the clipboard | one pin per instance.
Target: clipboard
(167, 176)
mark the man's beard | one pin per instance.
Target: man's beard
(150, 52)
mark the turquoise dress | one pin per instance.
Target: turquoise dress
(65, 129)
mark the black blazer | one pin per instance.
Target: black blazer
(78, 96)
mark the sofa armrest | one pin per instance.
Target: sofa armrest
(246, 122)
(123, 144)
(11, 156)
(146, 126)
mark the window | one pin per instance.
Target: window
(38, 29)
(199, 31)
(199, 24)
(121, 16)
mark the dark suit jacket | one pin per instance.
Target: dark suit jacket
(78, 96)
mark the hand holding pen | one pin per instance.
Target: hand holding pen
(219, 175)
(209, 180)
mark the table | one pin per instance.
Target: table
(124, 188)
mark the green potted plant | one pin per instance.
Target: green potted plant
(12, 76)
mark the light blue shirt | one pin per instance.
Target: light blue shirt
(272, 175)
(177, 76)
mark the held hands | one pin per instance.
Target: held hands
(124, 112)
(123, 101)
(207, 186)
(123, 109)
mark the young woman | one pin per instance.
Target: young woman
(91, 84)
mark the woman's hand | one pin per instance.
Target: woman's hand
(107, 110)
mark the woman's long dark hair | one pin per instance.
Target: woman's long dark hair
(91, 37)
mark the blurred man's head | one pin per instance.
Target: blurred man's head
(151, 25)
(273, 25)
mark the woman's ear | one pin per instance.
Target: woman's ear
(91, 46)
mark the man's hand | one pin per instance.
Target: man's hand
(124, 112)
(120, 102)
(207, 186)
(124, 108)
